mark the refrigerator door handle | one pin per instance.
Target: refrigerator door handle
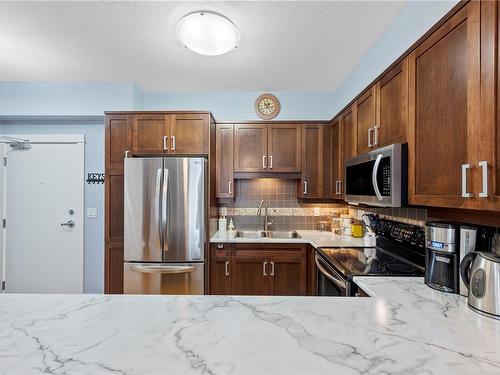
(163, 269)
(158, 204)
(165, 210)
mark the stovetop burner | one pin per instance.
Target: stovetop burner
(368, 261)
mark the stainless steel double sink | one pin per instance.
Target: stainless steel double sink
(267, 234)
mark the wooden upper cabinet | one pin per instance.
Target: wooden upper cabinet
(250, 148)
(311, 183)
(189, 133)
(487, 182)
(348, 133)
(170, 133)
(150, 134)
(337, 162)
(392, 106)
(444, 82)
(224, 149)
(365, 120)
(284, 145)
(118, 140)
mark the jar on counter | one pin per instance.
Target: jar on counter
(324, 225)
(336, 224)
(357, 230)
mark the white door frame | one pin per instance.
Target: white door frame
(39, 139)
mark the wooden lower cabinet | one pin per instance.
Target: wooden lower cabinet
(113, 268)
(220, 282)
(257, 269)
(249, 274)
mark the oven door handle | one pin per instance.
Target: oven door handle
(374, 177)
(337, 282)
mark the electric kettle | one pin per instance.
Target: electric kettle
(480, 271)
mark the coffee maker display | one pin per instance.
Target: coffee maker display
(441, 256)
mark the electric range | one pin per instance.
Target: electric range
(400, 251)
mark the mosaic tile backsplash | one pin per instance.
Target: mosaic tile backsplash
(287, 212)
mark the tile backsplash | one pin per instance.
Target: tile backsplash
(287, 212)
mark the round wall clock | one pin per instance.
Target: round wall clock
(267, 106)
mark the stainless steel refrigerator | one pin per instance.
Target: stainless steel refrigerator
(165, 225)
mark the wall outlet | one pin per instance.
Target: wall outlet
(316, 211)
(92, 213)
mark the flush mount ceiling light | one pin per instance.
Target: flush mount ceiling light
(207, 33)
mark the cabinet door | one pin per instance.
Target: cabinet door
(220, 273)
(443, 112)
(189, 133)
(150, 134)
(337, 162)
(118, 140)
(284, 147)
(488, 181)
(365, 120)
(224, 161)
(250, 148)
(114, 190)
(312, 160)
(249, 274)
(113, 269)
(392, 106)
(287, 275)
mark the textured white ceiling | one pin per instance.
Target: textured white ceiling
(285, 46)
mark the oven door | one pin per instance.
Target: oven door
(328, 281)
(375, 178)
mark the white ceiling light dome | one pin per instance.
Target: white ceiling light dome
(207, 33)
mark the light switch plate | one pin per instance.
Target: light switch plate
(316, 211)
(92, 212)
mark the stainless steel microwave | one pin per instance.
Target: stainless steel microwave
(377, 178)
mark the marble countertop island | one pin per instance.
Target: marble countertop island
(405, 329)
(316, 238)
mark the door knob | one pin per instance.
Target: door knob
(69, 223)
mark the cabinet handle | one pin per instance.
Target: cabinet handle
(226, 268)
(465, 194)
(272, 268)
(229, 186)
(337, 187)
(173, 142)
(305, 187)
(370, 144)
(271, 162)
(375, 135)
(264, 266)
(264, 161)
(165, 143)
(484, 165)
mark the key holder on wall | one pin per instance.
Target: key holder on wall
(95, 178)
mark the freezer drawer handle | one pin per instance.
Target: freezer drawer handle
(163, 269)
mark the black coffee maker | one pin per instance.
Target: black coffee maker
(441, 256)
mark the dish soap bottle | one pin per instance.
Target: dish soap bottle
(222, 224)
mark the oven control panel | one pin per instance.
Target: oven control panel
(401, 232)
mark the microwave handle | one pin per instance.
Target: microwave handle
(374, 176)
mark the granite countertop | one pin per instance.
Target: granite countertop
(315, 238)
(407, 329)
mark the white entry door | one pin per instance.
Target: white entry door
(44, 211)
